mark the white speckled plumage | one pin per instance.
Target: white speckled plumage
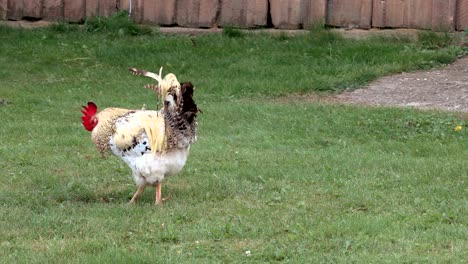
(154, 144)
(148, 168)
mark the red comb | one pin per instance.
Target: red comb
(88, 114)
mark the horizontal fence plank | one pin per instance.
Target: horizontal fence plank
(74, 10)
(15, 9)
(462, 15)
(244, 13)
(197, 13)
(32, 8)
(350, 13)
(53, 10)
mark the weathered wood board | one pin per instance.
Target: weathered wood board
(15, 9)
(443, 14)
(3, 9)
(91, 8)
(420, 14)
(349, 13)
(462, 15)
(197, 13)
(32, 8)
(313, 12)
(159, 12)
(53, 10)
(107, 7)
(244, 13)
(74, 10)
(294, 14)
(286, 13)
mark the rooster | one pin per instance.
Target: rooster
(154, 144)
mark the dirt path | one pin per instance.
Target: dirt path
(444, 88)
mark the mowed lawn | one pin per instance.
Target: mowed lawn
(270, 179)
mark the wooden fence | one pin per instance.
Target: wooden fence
(291, 14)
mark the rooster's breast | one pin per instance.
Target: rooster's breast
(150, 168)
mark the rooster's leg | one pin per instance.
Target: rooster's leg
(137, 194)
(158, 194)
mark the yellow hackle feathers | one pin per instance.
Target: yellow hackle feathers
(152, 123)
(164, 85)
(156, 130)
(155, 127)
(170, 80)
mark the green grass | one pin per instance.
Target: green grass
(289, 181)
(436, 40)
(117, 23)
(233, 32)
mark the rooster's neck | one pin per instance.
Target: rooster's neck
(181, 127)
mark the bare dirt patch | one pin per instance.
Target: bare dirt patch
(444, 88)
(349, 33)
(27, 24)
